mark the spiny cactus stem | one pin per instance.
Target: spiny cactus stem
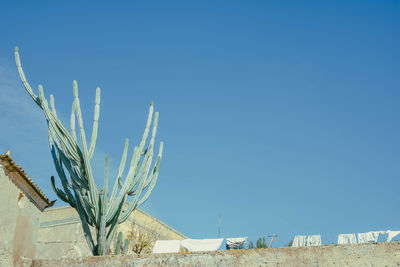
(95, 123)
(119, 243)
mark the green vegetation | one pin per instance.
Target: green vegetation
(261, 243)
(119, 245)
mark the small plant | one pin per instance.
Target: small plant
(261, 243)
(141, 242)
(251, 245)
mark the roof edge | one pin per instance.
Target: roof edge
(18, 176)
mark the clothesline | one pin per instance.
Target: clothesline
(369, 237)
(175, 246)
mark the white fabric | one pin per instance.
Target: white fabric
(364, 237)
(236, 242)
(167, 246)
(314, 240)
(202, 244)
(299, 241)
(369, 237)
(347, 239)
(391, 235)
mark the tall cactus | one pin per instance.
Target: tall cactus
(98, 208)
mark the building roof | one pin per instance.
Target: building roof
(24, 183)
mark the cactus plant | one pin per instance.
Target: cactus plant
(98, 208)
(118, 245)
(126, 245)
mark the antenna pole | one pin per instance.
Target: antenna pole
(272, 239)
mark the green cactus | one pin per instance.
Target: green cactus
(98, 208)
(119, 242)
(126, 245)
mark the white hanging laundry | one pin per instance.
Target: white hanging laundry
(167, 246)
(314, 240)
(347, 239)
(202, 244)
(369, 237)
(299, 241)
(391, 235)
(375, 235)
(363, 237)
(236, 242)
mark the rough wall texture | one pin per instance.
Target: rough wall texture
(61, 235)
(19, 223)
(381, 254)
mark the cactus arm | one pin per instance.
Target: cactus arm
(85, 207)
(86, 201)
(120, 170)
(113, 222)
(54, 132)
(23, 79)
(147, 129)
(126, 245)
(102, 231)
(133, 204)
(72, 171)
(153, 177)
(59, 192)
(93, 192)
(58, 131)
(119, 242)
(122, 193)
(112, 227)
(61, 174)
(139, 174)
(53, 109)
(85, 226)
(144, 169)
(149, 151)
(73, 132)
(95, 123)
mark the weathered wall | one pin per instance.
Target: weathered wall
(61, 235)
(19, 222)
(381, 254)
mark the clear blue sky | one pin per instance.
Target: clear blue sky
(281, 116)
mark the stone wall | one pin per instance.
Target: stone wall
(61, 235)
(380, 254)
(19, 223)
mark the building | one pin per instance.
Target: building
(21, 206)
(30, 228)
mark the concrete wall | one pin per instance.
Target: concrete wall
(19, 223)
(381, 254)
(61, 234)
